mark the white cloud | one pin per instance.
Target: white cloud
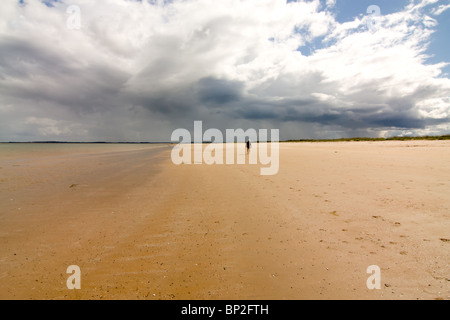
(330, 3)
(439, 10)
(435, 108)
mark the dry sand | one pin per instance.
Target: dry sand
(140, 227)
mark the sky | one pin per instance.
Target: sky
(126, 70)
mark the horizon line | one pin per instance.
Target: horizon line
(395, 138)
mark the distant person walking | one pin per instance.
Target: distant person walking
(248, 145)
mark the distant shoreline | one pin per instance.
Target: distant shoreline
(444, 137)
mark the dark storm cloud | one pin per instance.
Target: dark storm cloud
(219, 91)
(19, 58)
(39, 73)
(178, 102)
(201, 99)
(325, 114)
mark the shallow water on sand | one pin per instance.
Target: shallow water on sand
(10, 151)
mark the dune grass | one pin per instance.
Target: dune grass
(445, 137)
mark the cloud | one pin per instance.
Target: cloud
(138, 70)
(439, 10)
(218, 92)
(330, 3)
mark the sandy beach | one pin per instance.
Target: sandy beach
(140, 227)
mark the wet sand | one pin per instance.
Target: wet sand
(140, 227)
